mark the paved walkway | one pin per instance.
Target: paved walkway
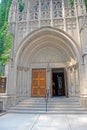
(43, 122)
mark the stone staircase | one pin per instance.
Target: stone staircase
(59, 105)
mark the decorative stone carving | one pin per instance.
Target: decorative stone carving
(45, 15)
(33, 23)
(13, 9)
(26, 69)
(58, 23)
(57, 14)
(45, 22)
(33, 15)
(71, 23)
(38, 13)
(45, 5)
(35, 6)
(21, 68)
(22, 16)
(57, 4)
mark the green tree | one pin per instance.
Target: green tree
(21, 6)
(4, 12)
(85, 4)
(7, 48)
(71, 2)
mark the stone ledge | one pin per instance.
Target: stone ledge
(83, 101)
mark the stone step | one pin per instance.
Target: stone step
(47, 112)
(51, 106)
(49, 109)
(54, 105)
(51, 99)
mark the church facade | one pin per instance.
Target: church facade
(49, 51)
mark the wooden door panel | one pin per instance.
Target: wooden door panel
(34, 92)
(38, 82)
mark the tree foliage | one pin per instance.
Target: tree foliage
(85, 4)
(4, 12)
(21, 6)
(6, 48)
(71, 2)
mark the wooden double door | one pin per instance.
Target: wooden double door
(39, 82)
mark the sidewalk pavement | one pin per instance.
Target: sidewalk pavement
(12, 121)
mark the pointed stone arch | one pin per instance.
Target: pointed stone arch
(43, 47)
(48, 34)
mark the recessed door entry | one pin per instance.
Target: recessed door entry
(58, 83)
(39, 82)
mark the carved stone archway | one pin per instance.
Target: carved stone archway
(42, 48)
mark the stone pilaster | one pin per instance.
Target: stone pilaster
(51, 12)
(83, 83)
(68, 82)
(48, 79)
(63, 13)
(39, 18)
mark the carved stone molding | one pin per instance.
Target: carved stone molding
(21, 68)
(26, 69)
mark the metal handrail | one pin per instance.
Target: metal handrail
(46, 98)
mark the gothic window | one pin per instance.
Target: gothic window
(20, 17)
(57, 4)
(33, 16)
(35, 6)
(34, 9)
(45, 4)
(45, 15)
(57, 14)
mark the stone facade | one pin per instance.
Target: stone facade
(47, 34)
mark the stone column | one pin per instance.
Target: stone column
(10, 87)
(21, 80)
(72, 81)
(18, 83)
(77, 89)
(77, 24)
(74, 74)
(51, 13)
(63, 13)
(27, 82)
(83, 82)
(48, 79)
(68, 82)
(39, 18)
(30, 81)
(27, 25)
(84, 77)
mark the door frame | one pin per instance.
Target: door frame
(65, 79)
